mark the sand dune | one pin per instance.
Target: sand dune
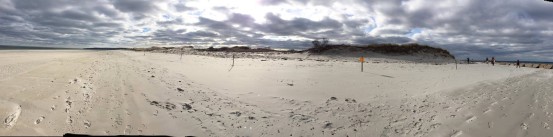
(125, 92)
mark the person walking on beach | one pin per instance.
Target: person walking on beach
(487, 61)
(468, 61)
(493, 61)
(518, 63)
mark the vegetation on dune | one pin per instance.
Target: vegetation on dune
(212, 49)
(320, 47)
(407, 49)
(159, 48)
(238, 49)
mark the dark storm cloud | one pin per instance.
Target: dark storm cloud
(108, 11)
(380, 40)
(29, 5)
(107, 25)
(225, 28)
(139, 9)
(296, 26)
(325, 28)
(181, 36)
(288, 44)
(165, 33)
(276, 26)
(242, 19)
(78, 15)
(355, 23)
(58, 22)
(213, 24)
(135, 6)
(201, 34)
(170, 22)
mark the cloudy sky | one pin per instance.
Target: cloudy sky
(507, 29)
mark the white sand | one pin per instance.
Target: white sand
(125, 92)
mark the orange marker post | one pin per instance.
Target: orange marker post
(361, 59)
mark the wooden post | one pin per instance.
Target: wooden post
(455, 64)
(362, 60)
(361, 66)
(232, 63)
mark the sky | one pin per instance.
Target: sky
(505, 29)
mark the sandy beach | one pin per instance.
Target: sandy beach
(119, 92)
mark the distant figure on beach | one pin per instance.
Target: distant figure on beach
(493, 61)
(487, 61)
(468, 61)
(518, 63)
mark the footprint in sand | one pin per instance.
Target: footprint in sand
(11, 112)
(87, 124)
(69, 120)
(530, 115)
(68, 103)
(456, 133)
(487, 110)
(128, 130)
(494, 103)
(490, 124)
(458, 109)
(524, 126)
(39, 119)
(470, 119)
(436, 125)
